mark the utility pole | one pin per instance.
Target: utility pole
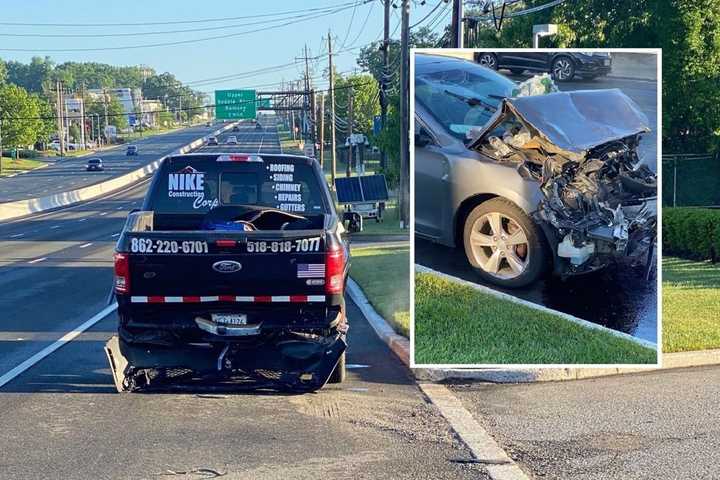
(106, 114)
(59, 108)
(82, 114)
(404, 195)
(457, 24)
(322, 130)
(348, 170)
(306, 124)
(384, 77)
(332, 110)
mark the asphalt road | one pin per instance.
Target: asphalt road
(657, 425)
(618, 297)
(69, 173)
(61, 418)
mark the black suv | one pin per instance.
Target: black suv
(563, 66)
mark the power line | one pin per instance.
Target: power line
(176, 22)
(441, 2)
(179, 42)
(164, 32)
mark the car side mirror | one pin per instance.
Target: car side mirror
(422, 138)
(354, 221)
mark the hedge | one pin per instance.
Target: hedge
(692, 233)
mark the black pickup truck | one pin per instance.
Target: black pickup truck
(234, 268)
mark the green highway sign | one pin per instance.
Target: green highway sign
(235, 104)
(264, 103)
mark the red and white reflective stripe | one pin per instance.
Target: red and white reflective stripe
(230, 298)
(239, 158)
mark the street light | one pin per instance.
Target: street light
(543, 30)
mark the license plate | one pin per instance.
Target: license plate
(230, 318)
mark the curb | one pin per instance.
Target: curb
(639, 79)
(397, 343)
(379, 238)
(21, 208)
(670, 361)
(510, 298)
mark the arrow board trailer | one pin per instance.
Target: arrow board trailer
(364, 195)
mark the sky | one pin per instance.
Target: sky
(273, 34)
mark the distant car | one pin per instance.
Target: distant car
(94, 164)
(232, 140)
(131, 150)
(258, 126)
(212, 141)
(235, 128)
(563, 66)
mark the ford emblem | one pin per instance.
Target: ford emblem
(227, 266)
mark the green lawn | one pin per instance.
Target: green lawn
(384, 276)
(691, 305)
(10, 166)
(457, 324)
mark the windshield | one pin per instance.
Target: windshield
(197, 186)
(461, 98)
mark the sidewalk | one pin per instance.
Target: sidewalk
(636, 66)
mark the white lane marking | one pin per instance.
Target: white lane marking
(483, 447)
(86, 245)
(356, 365)
(82, 219)
(115, 234)
(68, 337)
(38, 260)
(17, 235)
(54, 227)
(119, 208)
(102, 214)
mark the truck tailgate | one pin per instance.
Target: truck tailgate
(248, 266)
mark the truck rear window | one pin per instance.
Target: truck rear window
(197, 185)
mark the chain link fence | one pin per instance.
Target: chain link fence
(690, 180)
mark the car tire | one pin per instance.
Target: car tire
(514, 264)
(563, 69)
(487, 59)
(338, 375)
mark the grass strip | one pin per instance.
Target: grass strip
(691, 305)
(383, 273)
(456, 324)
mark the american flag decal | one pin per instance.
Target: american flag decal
(311, 270)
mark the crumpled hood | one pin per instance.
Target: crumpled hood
(573, 121)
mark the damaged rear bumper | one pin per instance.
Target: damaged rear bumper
(292, 362)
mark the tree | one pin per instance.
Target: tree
(389, 141)
(365, 91)
(587, 23)
(74, 132)
(115, 111)
(3, 72)
(48, 124)
(20, 113)
(690, 33)
(32, 76)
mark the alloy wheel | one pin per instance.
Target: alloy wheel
(488, 60)
(500, 245)
(562, 69)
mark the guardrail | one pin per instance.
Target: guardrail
(21, 208)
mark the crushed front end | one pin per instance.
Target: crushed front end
(599, 201)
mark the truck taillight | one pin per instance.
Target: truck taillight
(122, 273)
(334, 270)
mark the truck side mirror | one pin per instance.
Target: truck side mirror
(354, 221)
